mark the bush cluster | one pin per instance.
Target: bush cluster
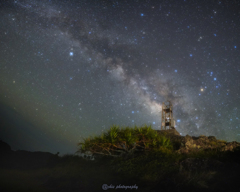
(118, 142)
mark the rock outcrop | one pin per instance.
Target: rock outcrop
(189, 143)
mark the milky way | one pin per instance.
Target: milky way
(72, 69)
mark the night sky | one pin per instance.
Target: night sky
(71, 69)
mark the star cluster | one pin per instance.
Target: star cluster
(74, 68)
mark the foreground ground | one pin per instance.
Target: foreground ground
(155, 171)
(168, 162)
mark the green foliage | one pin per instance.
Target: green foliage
(213, 143)
(223, 141)
(154, 154)
(117, 141)
(113, 134)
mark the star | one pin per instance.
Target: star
(94, 64)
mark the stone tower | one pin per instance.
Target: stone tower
(167, 117)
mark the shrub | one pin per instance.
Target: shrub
(116, 141)
(213, 143)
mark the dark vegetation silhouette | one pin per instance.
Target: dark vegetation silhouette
(153, 160)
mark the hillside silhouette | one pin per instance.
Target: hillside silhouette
(150, 159)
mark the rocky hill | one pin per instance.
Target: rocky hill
(185, 144)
